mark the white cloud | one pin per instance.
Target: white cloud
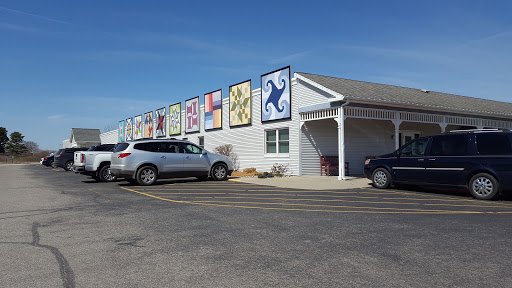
(289, 58)
(56, 117)
(18, 28)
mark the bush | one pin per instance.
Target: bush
(249, 170)
(279, 169)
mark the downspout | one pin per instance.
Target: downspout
(341, 140)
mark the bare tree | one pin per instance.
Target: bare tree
(227, 150)
(110, 127)
(32, 147)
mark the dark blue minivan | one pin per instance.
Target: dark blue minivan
(479, 160)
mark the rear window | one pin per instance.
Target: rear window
(449, 145)
(121, 147)
(148, 146)
(493, 144)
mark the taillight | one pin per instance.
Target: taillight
(123, 155)
(59, 155)
(83, 159)
(45, 159)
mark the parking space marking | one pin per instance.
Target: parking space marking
(289, 199)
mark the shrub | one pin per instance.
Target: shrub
(249, 170)
(279, 169)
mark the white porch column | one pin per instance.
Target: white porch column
(397, 123)
(341, 143)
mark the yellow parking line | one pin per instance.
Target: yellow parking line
(336, 196)
(390, 211)
(324, 200)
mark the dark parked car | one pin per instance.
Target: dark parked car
(48, 160)
(479, 160)
(64, 158)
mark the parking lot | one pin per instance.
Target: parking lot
(61, 228)
(361, 200)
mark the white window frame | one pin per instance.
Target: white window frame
(278, 153)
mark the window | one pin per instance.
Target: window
(148, 146)
(449, 145)
(493, 144)
(201, 141)
(277, 141)
(415, 148)
(189, 148)
(170, 147)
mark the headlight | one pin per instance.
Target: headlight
(367, 161)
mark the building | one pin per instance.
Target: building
(350, 119)
(81, 137)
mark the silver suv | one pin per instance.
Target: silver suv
(143, 162)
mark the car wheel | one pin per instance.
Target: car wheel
(483, 186)
(146, 175)
(105, 175)
(219, 172)
(381, 178)
(68, 166)
(53, 165)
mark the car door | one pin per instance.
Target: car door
(171, 158)
(447, 159)
(194, 161)
(410, 163)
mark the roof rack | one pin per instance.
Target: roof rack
(479, 130)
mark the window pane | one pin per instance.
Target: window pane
(284, 134)
(449, 145)
(493, 144)
(284, 146)
(271, 147)
(189, 148)
(415, 148)
(271, 135)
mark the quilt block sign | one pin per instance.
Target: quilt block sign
(213, 110)
(275, 95)
(240, 107)
(160, 122)
(175, 119)
(129, 129)
(120, 131)
(137, 127)
(192, 115)
(148, 125)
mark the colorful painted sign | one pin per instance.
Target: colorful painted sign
(175, 119)
(137, 127)
(148, 125)
(129, 129)
(276, 95)
(120, 132)
(213, 110)
(160, 122)
(192, 115)
(240, 105)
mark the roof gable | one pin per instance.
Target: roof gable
(85, 135)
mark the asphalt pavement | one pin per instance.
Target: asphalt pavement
(60, 229)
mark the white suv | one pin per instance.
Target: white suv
(143, 162)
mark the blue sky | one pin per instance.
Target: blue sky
(89, 64)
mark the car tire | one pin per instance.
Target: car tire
(68, 166)
(219, 172)
(483, 186)
(105, 175)
(51, 165)
(381, 178)
(146, 175)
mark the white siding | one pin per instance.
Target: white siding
(306, 95)
(110, 137)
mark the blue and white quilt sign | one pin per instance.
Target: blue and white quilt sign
(276, 95)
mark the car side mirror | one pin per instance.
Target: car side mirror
(397, 153)
(204, 152)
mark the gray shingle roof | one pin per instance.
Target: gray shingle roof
(85, 135)
(388, 94)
